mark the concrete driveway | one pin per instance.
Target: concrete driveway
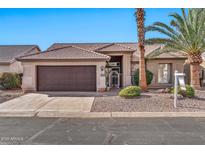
(43, 103)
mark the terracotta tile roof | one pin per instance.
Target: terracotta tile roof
(98, 47)
(171, 55)
(165, 55)
(66, 52)
(9, 52)
(148, 49)
(87, 46)
(131, 45)
(121, 46)
(115, 47)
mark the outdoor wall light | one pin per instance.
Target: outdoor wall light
(102, 68)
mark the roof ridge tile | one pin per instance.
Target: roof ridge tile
(43, 52)
(124, 46)
(94, 54)
(91, 51)
(107, 45)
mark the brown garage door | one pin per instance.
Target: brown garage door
(66, 78)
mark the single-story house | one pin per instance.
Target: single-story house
(9, 53)
(95, 66)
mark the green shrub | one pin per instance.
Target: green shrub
(190, 92)
(172, 90)
(10, 80)
(149, 77)
(21, 77)
(130, 91)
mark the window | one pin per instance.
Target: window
(164, 73)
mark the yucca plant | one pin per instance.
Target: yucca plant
(140, 18)
(186, 34)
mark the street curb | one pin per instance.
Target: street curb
(120, 114)
(74, 114)
(17, 113)
(100, 114)
(157, 114)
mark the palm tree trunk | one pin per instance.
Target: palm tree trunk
(142, 71)
(141, 37)
(195, 75)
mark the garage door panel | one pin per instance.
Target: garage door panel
(66, 78)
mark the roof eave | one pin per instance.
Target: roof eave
(44, 59)
(5, 63)
(157, 58)
(117, 51)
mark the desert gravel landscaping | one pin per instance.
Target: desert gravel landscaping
(152, 101)
(6, 95)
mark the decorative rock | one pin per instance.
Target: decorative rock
(178, 96)
(166, 90)
(160, 90)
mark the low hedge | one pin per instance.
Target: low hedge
(130, 91)
(189, 92)
(149, 77)
(10, 80)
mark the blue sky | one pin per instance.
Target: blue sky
(47, 26)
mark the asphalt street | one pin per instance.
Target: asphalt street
(72, 131)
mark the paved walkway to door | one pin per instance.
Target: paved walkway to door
(43, 103)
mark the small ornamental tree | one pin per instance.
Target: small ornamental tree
(10, 80)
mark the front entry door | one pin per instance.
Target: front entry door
(114, 78)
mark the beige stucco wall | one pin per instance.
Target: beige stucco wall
(152, 65)
(135, 65)
(29, 72)
(126, 62)
(203, 64)
(4, 68)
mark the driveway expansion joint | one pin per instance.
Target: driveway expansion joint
(36, 111)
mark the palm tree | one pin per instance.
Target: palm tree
(139, 14)
(186, 34)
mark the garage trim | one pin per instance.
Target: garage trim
(37, 75)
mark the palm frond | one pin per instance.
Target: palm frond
(158, 41)
(168, 28)
(161, 30)
(186, 32)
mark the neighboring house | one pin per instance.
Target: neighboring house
(9, 53)
(95, 66)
